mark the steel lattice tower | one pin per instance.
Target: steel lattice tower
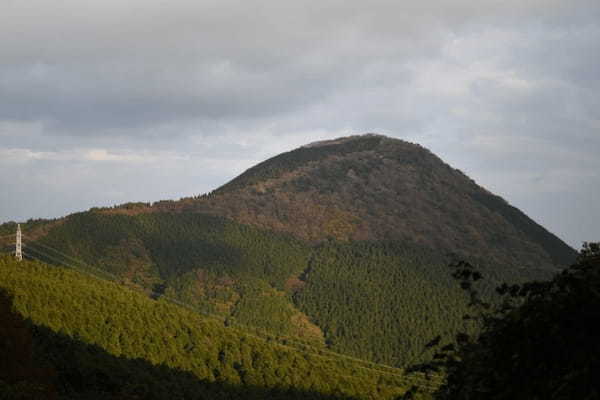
(18, 245)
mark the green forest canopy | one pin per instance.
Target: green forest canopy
(89, 330)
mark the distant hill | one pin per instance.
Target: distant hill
(339, 243)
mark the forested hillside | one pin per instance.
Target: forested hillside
(91, 339)
(380, 301)
(341, 244)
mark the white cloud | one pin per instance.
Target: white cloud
(21, 155)
(105, 155)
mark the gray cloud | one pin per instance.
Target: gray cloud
(190, 93)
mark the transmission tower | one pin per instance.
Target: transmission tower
(18, 250)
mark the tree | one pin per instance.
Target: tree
(540, 342)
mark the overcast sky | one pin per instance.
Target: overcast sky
(104, 101)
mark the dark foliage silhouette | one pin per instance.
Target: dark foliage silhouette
(539, 342)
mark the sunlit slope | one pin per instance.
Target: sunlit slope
(127, 325)
(213, 264)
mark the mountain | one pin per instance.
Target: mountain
(342, 244)
(376, 188)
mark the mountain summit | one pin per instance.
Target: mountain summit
(372, 187)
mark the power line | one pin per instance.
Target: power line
(57, 251)
(56, 260)
(316, 351)
(69, 260)
(335, 357)
(62, 257)
(306, 347)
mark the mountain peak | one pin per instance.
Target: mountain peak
(342, 140)
(373, 187)
(356, 147)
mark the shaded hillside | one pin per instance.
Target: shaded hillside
(104, 341)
